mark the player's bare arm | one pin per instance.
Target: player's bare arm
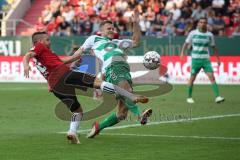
(76, 56)
(185, 45)
(136, 29)
(26, 60)
(215, 51)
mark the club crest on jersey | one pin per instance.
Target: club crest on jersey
(110, 46)
(113, 76)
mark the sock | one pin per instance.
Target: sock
(190, 89)
(75, 122)
(109, 121)
(107, 87)
(215, 89)
(111, 88)
(132, 107)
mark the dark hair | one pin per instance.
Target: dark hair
(37, 36)
(105, 22)
(202, 18)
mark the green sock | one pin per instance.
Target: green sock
(109, 121)
(190, 89)
(132, 107)
(215, 89)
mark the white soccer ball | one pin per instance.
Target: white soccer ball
(151, 60)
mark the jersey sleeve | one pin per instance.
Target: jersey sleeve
(124, 43)
(88, 44)
(212, 40)
(37, 48)
(189, 37)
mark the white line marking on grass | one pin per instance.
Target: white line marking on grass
(165, 122)
(169, 136)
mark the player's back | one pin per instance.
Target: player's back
(48, 62)
(46, 57)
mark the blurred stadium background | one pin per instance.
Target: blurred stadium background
(164, 25)
(28, 127)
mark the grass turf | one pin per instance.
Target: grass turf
(29, 128)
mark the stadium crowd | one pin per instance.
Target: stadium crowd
(5, 5)
(157, 17)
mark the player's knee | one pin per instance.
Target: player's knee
(211, 77)
(212, 80)
(192, 79)
(125, 85)
(72, 104)
(77, 110)
(76, 107)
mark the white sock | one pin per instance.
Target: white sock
(75, 122)
(107, 87)
(111, 88)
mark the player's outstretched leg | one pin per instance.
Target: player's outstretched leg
(143, 118)
(78, 79)
(114, 89)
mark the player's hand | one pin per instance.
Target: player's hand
(218, 61)
(26, 71)
(77, 63)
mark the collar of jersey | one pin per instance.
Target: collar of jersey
(106, 38)
(201, 31)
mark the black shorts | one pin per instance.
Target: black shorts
(71, 80)
(70, 101)
(65, 87)
(79, 79)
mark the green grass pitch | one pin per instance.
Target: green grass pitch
(29, 128)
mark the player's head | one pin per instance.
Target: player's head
(202, 24)
(42, 37)
(107, 29)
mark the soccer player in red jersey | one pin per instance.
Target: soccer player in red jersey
(62, 80)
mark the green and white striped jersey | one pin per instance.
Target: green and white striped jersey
(107, 50)
(200, 42)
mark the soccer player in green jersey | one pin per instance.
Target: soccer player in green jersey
(201, 40)
(115, 70)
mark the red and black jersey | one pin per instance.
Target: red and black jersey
(48, 63)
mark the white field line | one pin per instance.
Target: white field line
(169, 136)
(165, 122)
